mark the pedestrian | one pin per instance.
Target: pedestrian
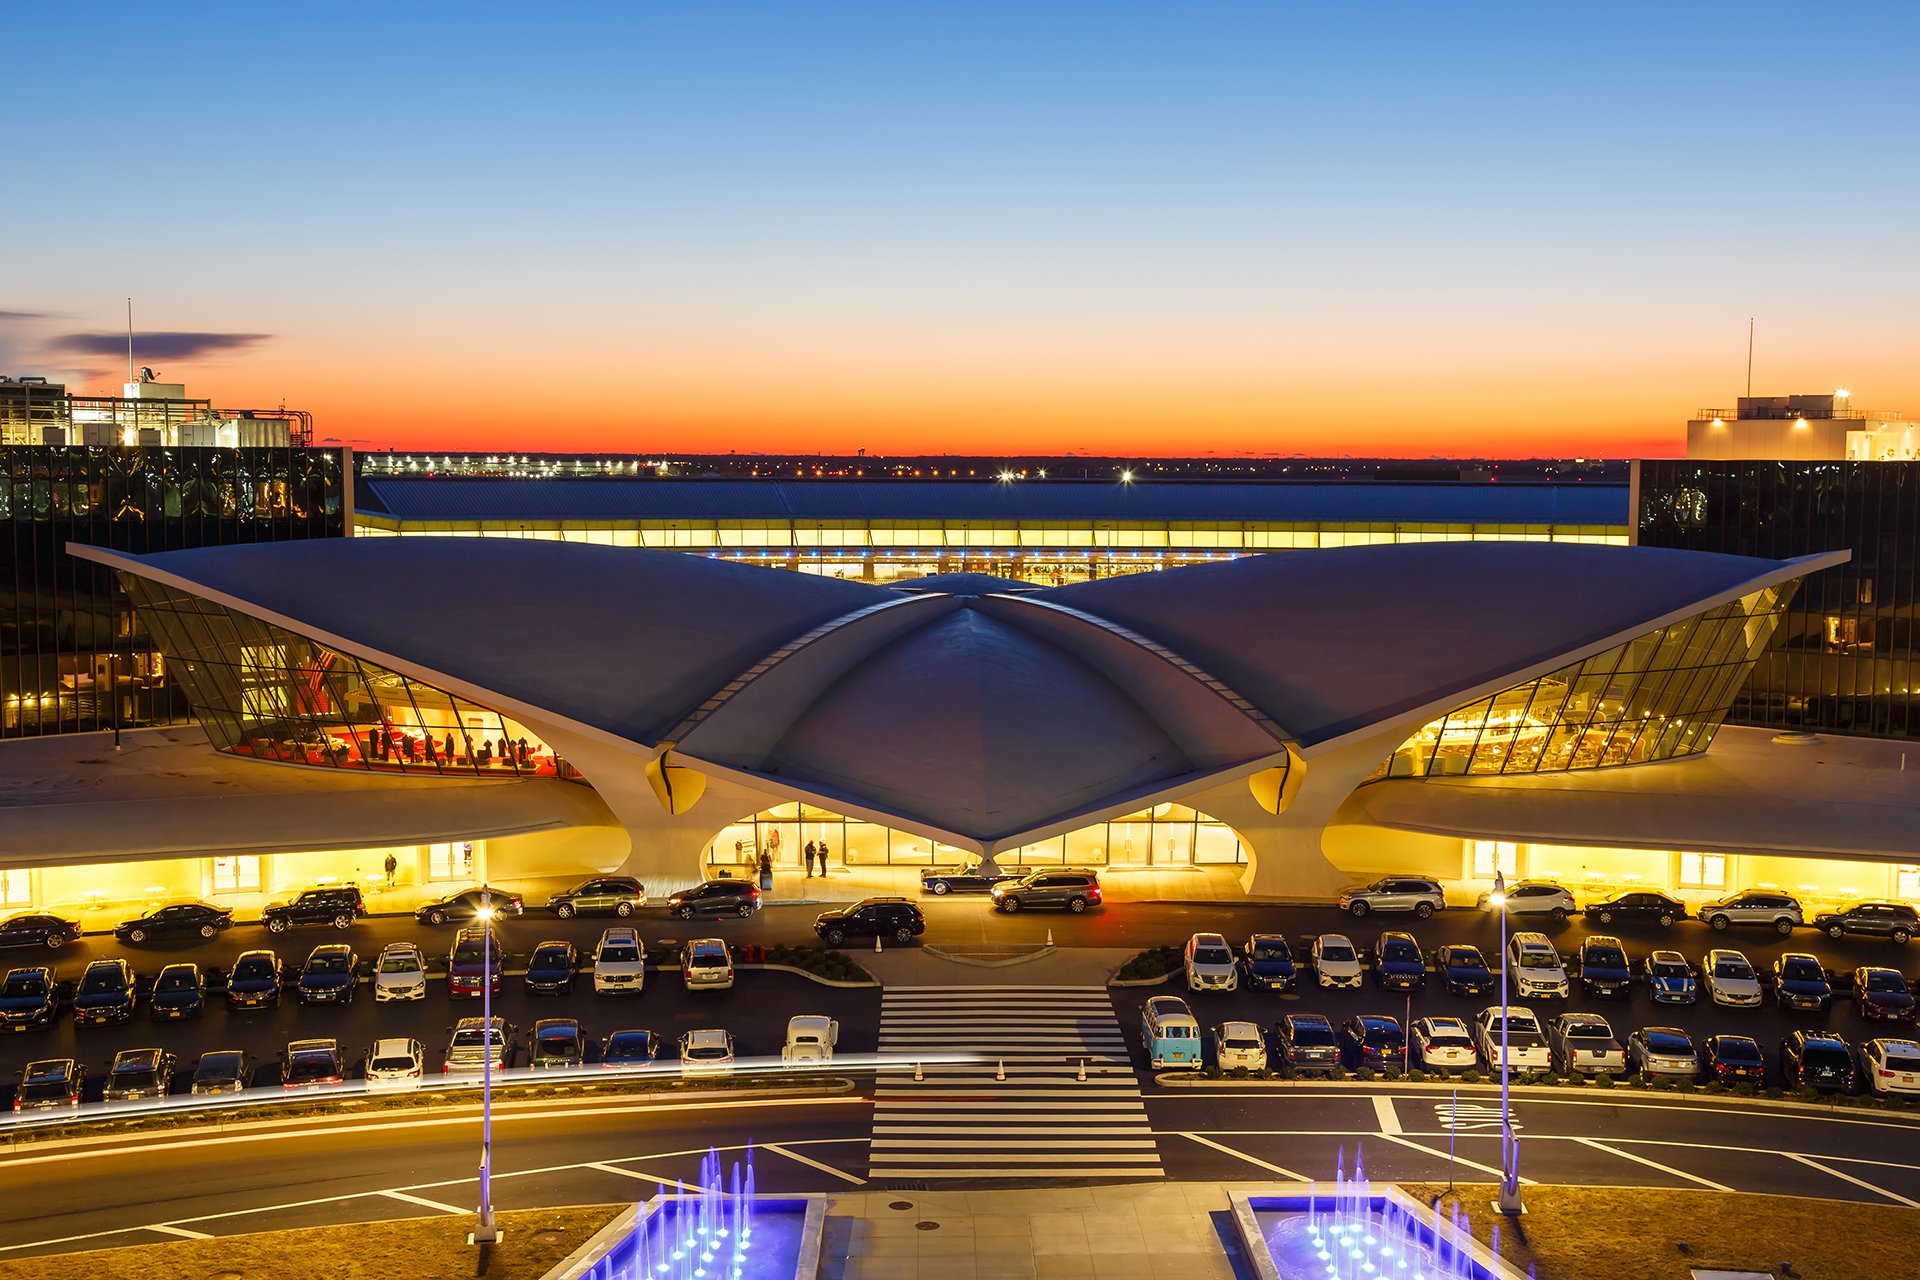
(393, 865)
(809, 854)
(523, 753)
(449, 747)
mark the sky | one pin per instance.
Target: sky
(1119, 228)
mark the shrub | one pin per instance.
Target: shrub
(1363, 1073)
(1602, 1080)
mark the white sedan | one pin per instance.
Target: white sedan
(395, 1061)
(1444, 1044)
(1335, 962)
(1730, 979)
(1239, 1045)
(400, 973)
(1584, 1042)
(706, 1052)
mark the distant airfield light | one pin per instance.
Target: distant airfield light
(1126, 476)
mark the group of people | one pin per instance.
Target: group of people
(815, 855)
(816, 851)
(411, 747)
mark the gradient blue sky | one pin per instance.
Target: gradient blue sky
(1122, 227)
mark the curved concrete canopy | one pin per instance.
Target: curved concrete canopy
(963, 584)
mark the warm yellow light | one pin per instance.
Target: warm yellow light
(1126, 477)
(1497, 898)
(1843, 394)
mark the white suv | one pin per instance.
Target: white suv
(619, 962)
(1209, 964)
(1534, 898)
(1892, 1066)
(1536, 968)
(1335, 963)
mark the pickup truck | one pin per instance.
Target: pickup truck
(810, 1038)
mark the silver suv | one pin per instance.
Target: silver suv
(1754, 906)
(1419, 894)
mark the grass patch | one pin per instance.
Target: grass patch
(433, 1248)
(1606, 1233)
(1155, 963)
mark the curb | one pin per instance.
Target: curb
(1139, 982)
(825, 982)
(981, 962)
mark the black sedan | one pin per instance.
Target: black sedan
(464, 907)
(1464, 970)
(1734, 1060)
(1642, 906)
(179, 992)
(1799, 982)
(38, 929)
(975, 877)
(27, 999)
(176, 920)
(328, 976)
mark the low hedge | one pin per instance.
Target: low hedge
(1156, 962)
(823, 962)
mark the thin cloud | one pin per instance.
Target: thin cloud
(157, 346)
(22, 316)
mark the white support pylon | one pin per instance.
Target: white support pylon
(918, 1075)
(1049, 937)
(1000, 1070)
(1081, 1075)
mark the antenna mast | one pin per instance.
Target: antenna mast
(130, 341)
(1749, 357)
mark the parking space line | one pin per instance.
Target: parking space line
(1811, 1163)
(423, 1202)
(1383, 1111)
(1458, 1159)
(1255, 1161)
(181, 1232)
(1708, 1183)
(810, 1161)
(638, 1175)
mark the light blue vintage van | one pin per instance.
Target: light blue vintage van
(1173, 1037)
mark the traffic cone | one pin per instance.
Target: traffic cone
(876, 942)
(918, 1075)
(1049, 937)
(1081, 1075)
(1000, 1071)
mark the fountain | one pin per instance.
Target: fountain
(1355, 1231)
(721, 1229)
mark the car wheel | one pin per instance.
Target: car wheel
(1010, 905)
(835, 937)
(1717, 923)
(343, 922)
(136, 935)
(55, 941)
(564, 911)
(1835, 931)
(939, 887)
(1666, 920)
(1076, 905)
(1424, 910)
(1901, 935)
(903, 934)
(623, 910)
(745, 910)
(686, 913)
(436, 917)
(1357, 909)
(278, 924)
(1559, 915)
(207, 931)
(1783, 926)
(1606, 917)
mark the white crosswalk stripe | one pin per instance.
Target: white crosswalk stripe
(1042, 1121)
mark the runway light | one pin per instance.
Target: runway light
(1126, 476)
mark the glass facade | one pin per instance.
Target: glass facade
(73, 656)
(1166, 835)
(265, 692)
(1659, 695)
(1844, 659)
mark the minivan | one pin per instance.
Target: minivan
(1173, 1037)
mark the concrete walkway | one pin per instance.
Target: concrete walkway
(1144, 1231)
(1117, 884)
(919, 966)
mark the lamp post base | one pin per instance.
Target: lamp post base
(485, 1232)
(1509, 1205)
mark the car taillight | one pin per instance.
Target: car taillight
(754, 892)
(1885, 1072)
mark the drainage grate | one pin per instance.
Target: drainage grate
(904, 1186)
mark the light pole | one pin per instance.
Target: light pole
(1509, 1202)
(484, 1232)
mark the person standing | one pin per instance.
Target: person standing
(393, 865)
(809, 856)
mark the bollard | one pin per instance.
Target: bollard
(1081, 1075)
(1000, 1070)
(1049, 937)
(918, 1075)
(876, 942)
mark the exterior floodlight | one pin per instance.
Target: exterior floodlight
(1126, 477)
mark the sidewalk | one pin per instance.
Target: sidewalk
(1118, 884)
(918, 966)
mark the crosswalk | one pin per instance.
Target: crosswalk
(960, 1121)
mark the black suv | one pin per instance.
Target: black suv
(620, 895)
(894, 918)
(27, 998)
(1894, 920)
(1604, 970)
(328, 976)
(1073, 891)
(337, 905)
(715, 898)
(105, 993)
(1817, 1059)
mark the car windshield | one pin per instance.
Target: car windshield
(393, 1064)
(218, 1066)
(1242, 1042)
(99, 981)
(1517, 1024)
(1606, 957)
(1446, 1037)
(400, 963)
(1668, 969)
(1665, 1042)
(1885, 980)
(1587, 1031)
(708, 960)
(1539, 960)
(252, 970)
(619, 953)
(311, 1066)
(1902, 1060)
(628, 1046)
(176, 980)
(1212, 955)
(1338, 952)
(1399, 951)
(554, 959)
(1732, 967)
(1270, 949)
(1802, 970)
(44, 1087)
(1380, 1033)
(1312, 1033)
(557, 1042)
(708, 1051)
(473, 1037)
(24, 984)
(1826, 1054)
(1466, 960)
(468, 953)
(328, 964)
(1743, 1052)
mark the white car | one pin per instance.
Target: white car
(706, 1052)
(1730, 980)
(1537, 971)
(1209, 964)
(1335, 962)
(1534, 898)
(400, 973)
(1584, 1042)
(1239, 1045)
(1892, 1066)
(1444, 1044)
(394, 1061)
(810, 1038)
(619, 962)
(1526, 1043)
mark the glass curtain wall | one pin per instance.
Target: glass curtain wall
(1166, 835)
(1659, 695)
(261, 691)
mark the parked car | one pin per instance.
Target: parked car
(1397, 963)
(1172, 1034)
(556, 1044)
(1373, 1040)
(255, 981)
(1730, 979)
(1735, 1060)
(1307, 1042)
(707, 965)
(179, 992)
(618, 895)
(633, 1048)
(38, 929)
(1421, 895)
(1266, 963)
(105, 993)
(893, 918)
(475, 958)
(137, 1074)
(1891, 1066)
(551, 967)
(1663, 1052)
(619, 962)
(1239, 1046)
(465, 906)
(1778, 911)
(222, 1071)
(311, 1064)
(1882, 994)
(1535, 968)
(176, 920)
(1335, 963)
(328, 976)
(1639, 906)
(1464, 970)
(27, 998)
(1444, 1044)
(1818, 1059)
(1604, 970)
(1526, 1044)
(716, 898)
(1670, 979)
(707, 1050)
(1534, 898)
(971, 877)
(811, 1037)
(51, 1084)
(474, 1041)
(1800, 982)
(1876, 919)
(1208, 964)
(395, 1060)
(1584, 1042)
(1073, 891)
(337, 905)
(400, 973)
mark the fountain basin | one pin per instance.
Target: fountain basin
(785, 1243)
(1306, 1231)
